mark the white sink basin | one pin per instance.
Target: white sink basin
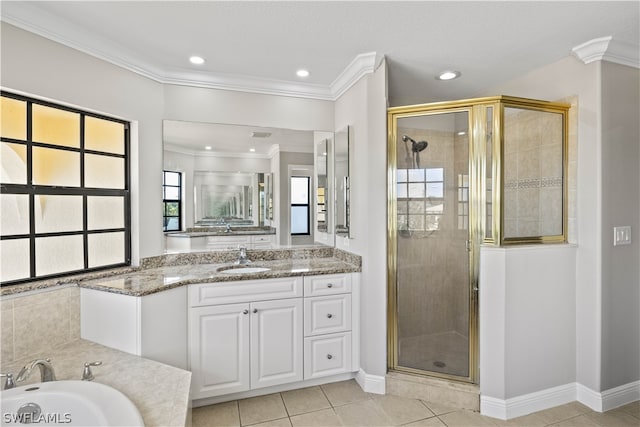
(68, 403)
(242, 270)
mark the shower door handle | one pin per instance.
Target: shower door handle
(467, 245)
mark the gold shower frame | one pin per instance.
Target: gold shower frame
(477, 116)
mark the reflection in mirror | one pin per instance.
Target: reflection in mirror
(236, 176)
(322, 191)
(324, 188)
(235, 198)
(343, 183)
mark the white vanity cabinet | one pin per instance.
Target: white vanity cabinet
(251, 334)
(245, 335)
(327, 325)
(182, 242)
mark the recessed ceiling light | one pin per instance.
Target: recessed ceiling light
(260, 134)
(324, 154)
(208, 147)
(461, 133)
(198, 60)
(449, 75)
(252, 150)
(302, 73)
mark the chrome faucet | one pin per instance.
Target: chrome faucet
(9, 383)
(46, 370)
(242, 256)
(228, 229)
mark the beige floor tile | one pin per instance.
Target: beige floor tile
(439, 409)
(344, 392)
(282, 422)
(222, 414)
(579, 421)
(360, 414)
(613, 418)
(305, 400)
(324, 418)
(262, 408)
(632, 408)
(562, 412)
(531, 420)
(429, 422)
(467, 419)
(402, 410)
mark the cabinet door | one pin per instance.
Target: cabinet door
(219, 349)
(276, 342)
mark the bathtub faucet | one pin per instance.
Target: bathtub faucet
(46, 370)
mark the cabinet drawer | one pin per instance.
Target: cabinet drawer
(244, 291)
(267, 238)
(327, 355)
(327, 315)
(327, 285)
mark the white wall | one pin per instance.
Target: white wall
(569, 77)
(364, 107)
(620, 206)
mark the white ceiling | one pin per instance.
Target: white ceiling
(263, 43)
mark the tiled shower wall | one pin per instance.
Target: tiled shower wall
(533, 165)
(431, 263)
(35, 323)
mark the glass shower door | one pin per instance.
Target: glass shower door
(432, 315)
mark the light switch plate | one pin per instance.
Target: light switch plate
(621, 235)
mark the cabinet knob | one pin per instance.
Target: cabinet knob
(255, 310)
(329, 356)
(245, 311)
(329, 316)
(329, 285)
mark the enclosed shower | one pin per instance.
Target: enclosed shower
(461, 174)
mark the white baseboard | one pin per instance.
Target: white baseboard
(545, 399)
(527, 403)
(609, 399)
(371, 383)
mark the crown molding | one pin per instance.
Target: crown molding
(607, 49)
(38, 21)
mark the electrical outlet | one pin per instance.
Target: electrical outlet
(621, 235)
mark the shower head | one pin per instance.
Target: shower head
(416, 147)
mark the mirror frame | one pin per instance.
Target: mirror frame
(325, 236)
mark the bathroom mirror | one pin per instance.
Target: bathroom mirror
(238, 173)
(342, 167)
(322, 190)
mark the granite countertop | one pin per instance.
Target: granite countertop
(168, 271)
(159, 391)
(152, 280)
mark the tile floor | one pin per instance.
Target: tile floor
(345, 404)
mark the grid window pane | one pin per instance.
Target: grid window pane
(402, 175)
(106, 249)
(416, 190)
(58, 213)
(103, 135)
(56, 167)
(435, 189)
(104, 212)
(435, 174)
(59, 254)
(15, 259)
(14, 163)
(299, 190)
(172, 178)
(103, 171)
(14, 214)
(416, 175)
(55, 126)
(13, 118)
(172, 193)
(299, 219)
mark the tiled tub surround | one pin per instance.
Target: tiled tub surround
(160, 392)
